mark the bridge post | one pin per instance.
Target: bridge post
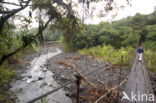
(78, 82)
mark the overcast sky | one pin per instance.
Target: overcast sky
(138, 6)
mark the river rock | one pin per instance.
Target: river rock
(95, 75)
(43, 84)
(44, 69)
(62, 76)
(24, 74)
(94, 64)
(40, 78)
(61, 67)
(29, 76)
(41, 66)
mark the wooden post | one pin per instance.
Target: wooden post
(78, 82)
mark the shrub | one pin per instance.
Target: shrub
(110, 54)
(150, 58)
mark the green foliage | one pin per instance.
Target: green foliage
(150, 35)
(122, 33)
(45, 100)
(105, 33)
(108, 40)
(150, 58)
(139, 21)
(52, 33)
(69, 31)
(10, 41)
(151, 18)
(5, 77)
(109, 53)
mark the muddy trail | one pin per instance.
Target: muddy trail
(52, 67)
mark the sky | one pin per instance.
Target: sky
(138, 6)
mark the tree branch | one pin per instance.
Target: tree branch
(4, 12)
(3, 2)
(9, 3)
(3, 19)
(5, 57)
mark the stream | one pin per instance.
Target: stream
(37, 80)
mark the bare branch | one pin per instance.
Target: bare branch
(3, 19)
(9, 3)
(4, 12)
(110, 90)
(15, 4)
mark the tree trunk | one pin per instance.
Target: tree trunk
(5, 57)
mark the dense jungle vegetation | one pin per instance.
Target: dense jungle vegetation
(107, 41)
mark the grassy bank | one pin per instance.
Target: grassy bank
(110, 54)
(150, 58)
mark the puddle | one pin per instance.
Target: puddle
(38, 80)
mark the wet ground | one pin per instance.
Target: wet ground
(34, 79)
(51, 68)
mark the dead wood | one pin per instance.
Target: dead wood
(110, 90)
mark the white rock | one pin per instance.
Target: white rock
(61, 67)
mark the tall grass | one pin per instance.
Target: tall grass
(150, 58)
(110, 54)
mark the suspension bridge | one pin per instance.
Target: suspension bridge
(138, 87)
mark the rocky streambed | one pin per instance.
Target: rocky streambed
(64, 73)
(51, 68)
(35, 79)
